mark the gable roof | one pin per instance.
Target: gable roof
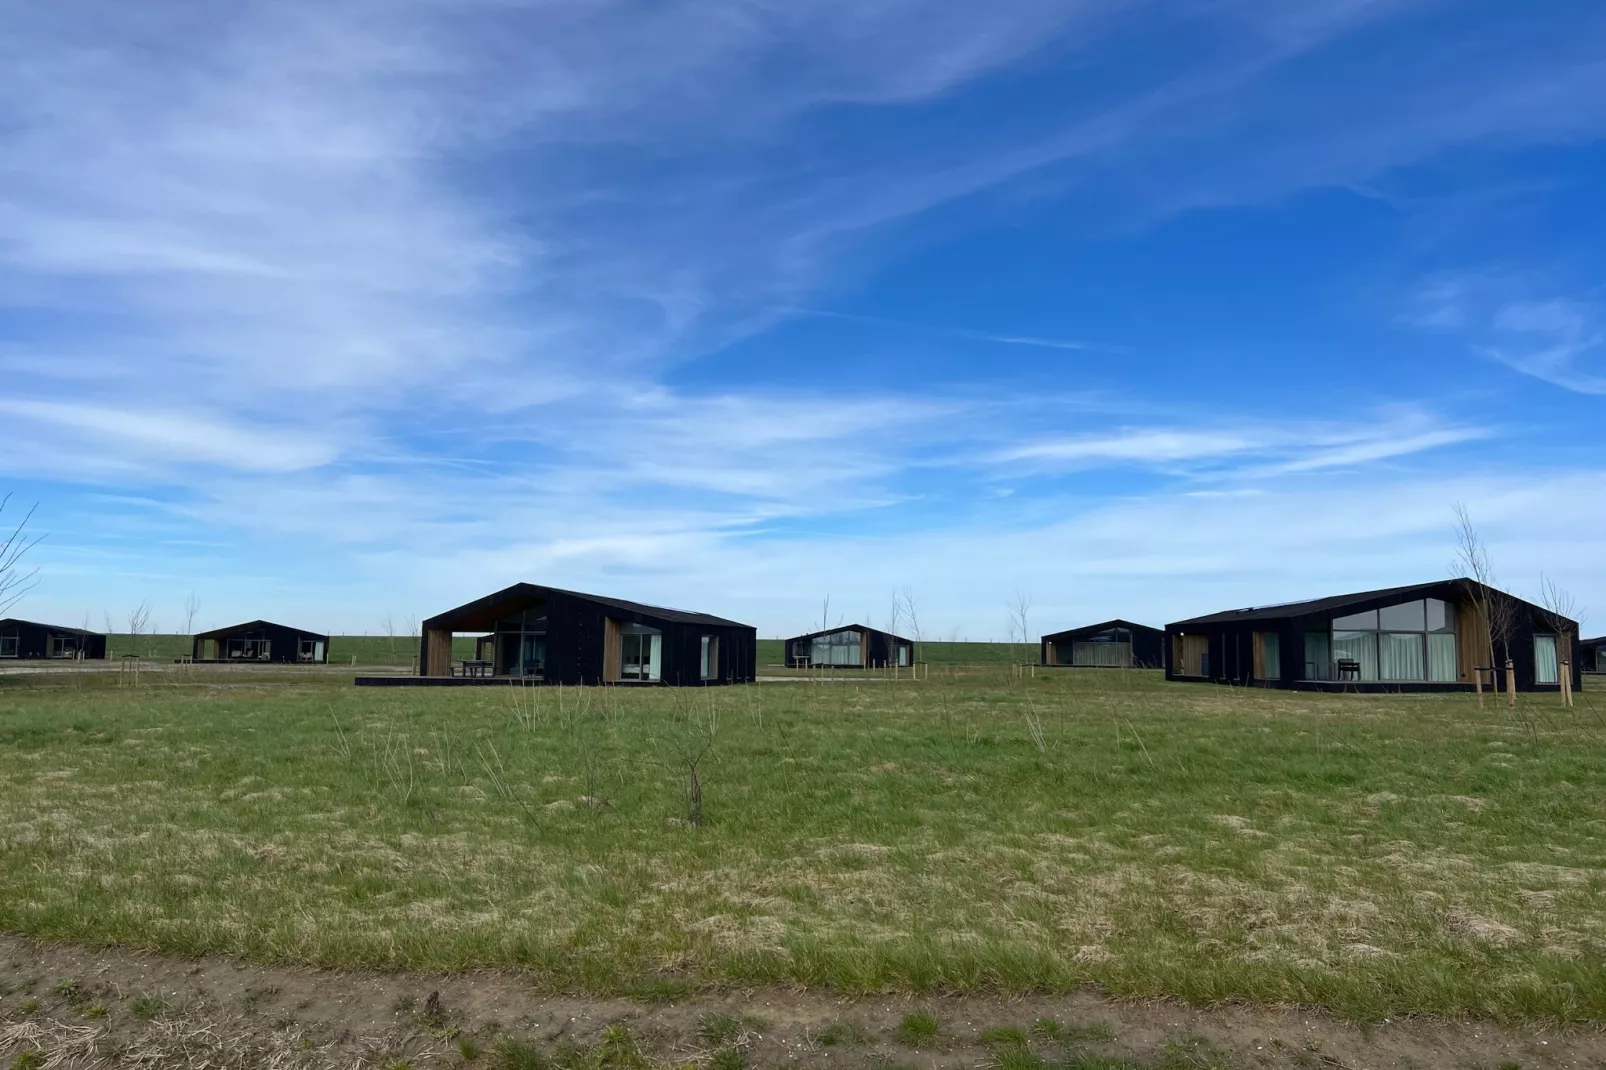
(49, 627)
(844, 628)
(1317, 605)
(521, 591)
(1103, 626)
(224, 633)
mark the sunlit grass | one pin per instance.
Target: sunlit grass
(1375, 854)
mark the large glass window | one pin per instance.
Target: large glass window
(708, 658)
(640, 656)
(8, 645)
(521, 643)
(249, 649)
(837, 648)
(532, 655)
(1318, 656)
(63, 646)
(1412, 641)
(1546, 668)
(1357, 622)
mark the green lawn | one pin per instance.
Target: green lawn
(1378, 855)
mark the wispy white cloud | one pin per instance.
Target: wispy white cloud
(1248, 449)
(1518, 320)
(136, 440)
(948, 332)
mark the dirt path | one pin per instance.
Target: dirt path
(77, 1007)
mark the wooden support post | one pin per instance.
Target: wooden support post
(1511, 684)
(1477, 683)
(1566, 684)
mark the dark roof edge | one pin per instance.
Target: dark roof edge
(683, 616)
(1100, 626)
(52, 627)
(845, 627)
(248, 625)
(1329, 603)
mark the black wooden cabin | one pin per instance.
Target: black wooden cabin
(1591, 655)
(27, 640)
(850, 646)
(1114, 644)
(261, 642)
(1425, 637)
(546, 635)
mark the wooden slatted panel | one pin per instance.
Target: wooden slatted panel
(438, 654)
(612, 650)
(1194, 649)
(1471, 639)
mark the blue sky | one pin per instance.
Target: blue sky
(343, 310)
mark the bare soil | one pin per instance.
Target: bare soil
(107, 1007)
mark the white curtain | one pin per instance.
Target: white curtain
(1360, 647)
(1546, 670)
(1442, 668)
(1400, 656)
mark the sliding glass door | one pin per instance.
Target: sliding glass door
(639, 658)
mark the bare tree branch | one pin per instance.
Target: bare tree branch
(1020, 608)
(14, 581)
(1494, 605)
(192, 606)
(139, 618)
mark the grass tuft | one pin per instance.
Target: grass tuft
(726, 1059)
(918, 1029)
(843, 1032)
(513, 1054)
(147, 1008)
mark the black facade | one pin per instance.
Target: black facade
(262, 642)
(1425, 637)
(1114, 644)
(546, 635)
(1591, 655)
(27, 640)
(850, 646)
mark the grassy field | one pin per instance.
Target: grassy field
(976, 832)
